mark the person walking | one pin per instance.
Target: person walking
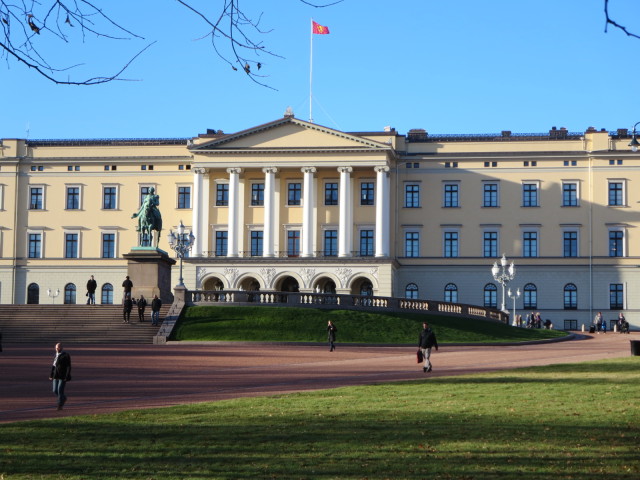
(597, 321)
(127, 306)
(91, 291)
(127, 285)
(60, 374)
(142, 304)
(426, 342)
(331, 333)
(156, 303)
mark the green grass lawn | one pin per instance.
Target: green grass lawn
(577, 421)
(310, 324)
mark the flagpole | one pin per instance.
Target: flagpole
(311, 74)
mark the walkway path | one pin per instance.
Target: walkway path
(110, 378)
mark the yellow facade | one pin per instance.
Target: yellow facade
(292, 205)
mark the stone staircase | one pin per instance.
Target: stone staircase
(74, 324)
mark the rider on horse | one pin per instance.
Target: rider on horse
(149, 218)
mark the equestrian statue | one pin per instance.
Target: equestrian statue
(149, 219)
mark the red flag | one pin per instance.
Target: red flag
(320, 29)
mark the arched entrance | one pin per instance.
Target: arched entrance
(325, 285)
(33, 294)
(213, 283)
(289, 284)
(249, 284)
(362, 286)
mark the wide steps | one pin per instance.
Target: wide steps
(74, 324)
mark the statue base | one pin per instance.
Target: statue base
(150, 271)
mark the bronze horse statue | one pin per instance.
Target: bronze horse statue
(149, 219)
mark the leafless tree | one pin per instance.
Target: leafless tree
(29, 28)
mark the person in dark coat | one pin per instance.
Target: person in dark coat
(127, 306)
(142, 304)
(331, 334)
(156, 303)
(60, 374)
(426, 342)
(91, 291)
(127, 285)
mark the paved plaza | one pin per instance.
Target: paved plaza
(111, 378)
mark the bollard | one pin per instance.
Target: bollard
(583, 328)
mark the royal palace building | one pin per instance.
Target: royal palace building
(294, 206)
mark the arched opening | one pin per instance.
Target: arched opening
(451, 293)
(289, 284)
(362, 286)
(411, 291)
(70, 294)
(106, 297)
(325, 285)
(33, 294)
(249, 284)
(213, 283)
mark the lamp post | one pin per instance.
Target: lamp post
(181, 244)
(53, 294)
(634, 144)
(514, 296)
(503, 277)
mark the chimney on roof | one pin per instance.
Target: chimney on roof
(417, 135)
(623, 132)
(506, 133)
(591, 130)
(558, 134)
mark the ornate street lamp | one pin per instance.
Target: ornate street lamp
(503, 277)
(514, 297)
(53, 294)
(634, 144)
(181, 244)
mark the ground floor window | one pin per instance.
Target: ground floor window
(69, 294)
(107, 294)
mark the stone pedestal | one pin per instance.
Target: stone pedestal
(150, 271)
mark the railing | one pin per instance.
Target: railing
(341, 301)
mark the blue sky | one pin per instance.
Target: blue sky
(455, 66)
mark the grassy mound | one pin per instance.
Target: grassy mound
(273, 324)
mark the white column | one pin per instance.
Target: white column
(233, 237)
(196, 209)
(345, 228)
(308, 206)
(382, 211)
(268, 249)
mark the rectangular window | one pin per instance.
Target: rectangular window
(367, 194)
(616, 194)
(529, 195)
(331, 194)
(184, 197)
(221, 243)
(257, 194)
(144, 191)
(73, 198)
(330, 243)
(412, 244)
(616, 243)
(256, 243)
(222, 195)
(366, 243)
(490, 195)
(570, 194)
(70, 245)
(616, 296)
(35, 245)
(530, 244)
(490, 245)
(451, 195)
(570, 244)
(109, 198)
(293, 243)
(108, 245)
(36, 195)
(294, 194)
(412, 196)
(450, 244)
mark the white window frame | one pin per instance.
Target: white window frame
(178, 187)
(535, 230)
(445, 184)
(497, 184)
(44, 197)
(623, 181)
(39, 231)
(79, 186)
(491, 229)
(577, 184)
(115, 243)
(575, 229)
(538, 193)
(411, 229)
(618, 228)
(64, 243)
(110, 185)
(458, 241)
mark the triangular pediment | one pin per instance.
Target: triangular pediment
(288, 133)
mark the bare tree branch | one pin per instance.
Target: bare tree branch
(610, 21)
